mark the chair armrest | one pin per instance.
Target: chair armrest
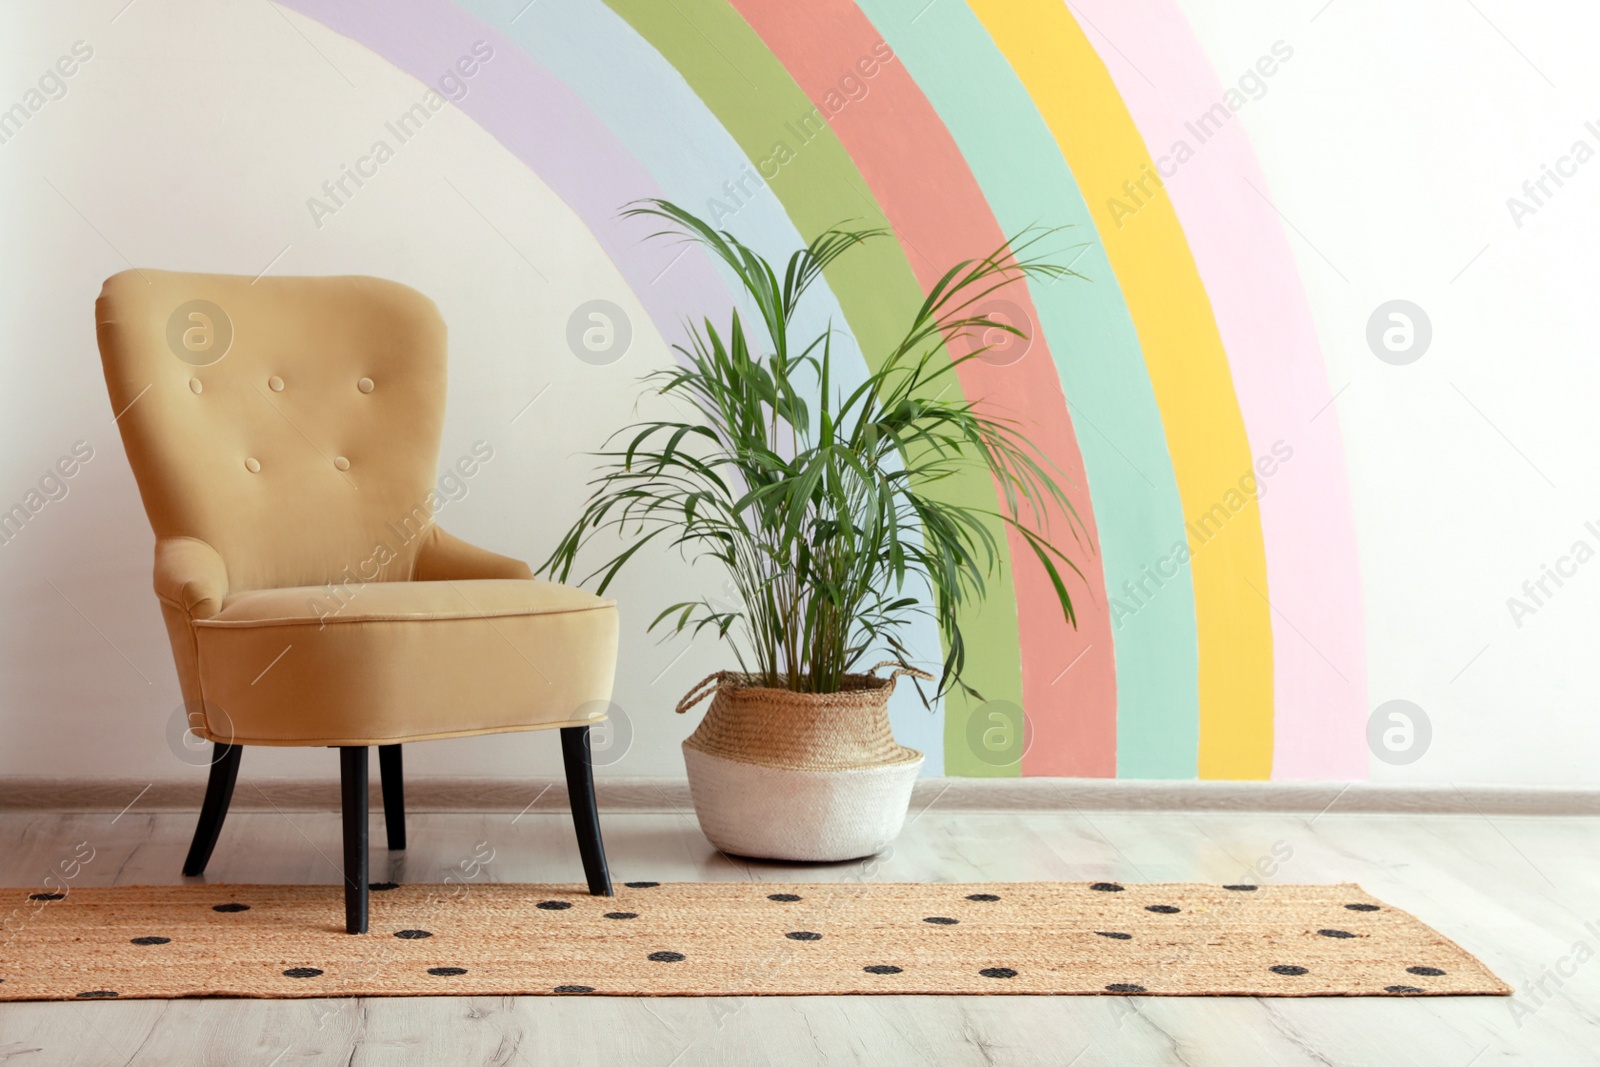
(191, 575)
(444, 557)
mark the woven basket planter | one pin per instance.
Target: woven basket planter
(799, 776)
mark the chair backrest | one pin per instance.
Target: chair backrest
(291, 423)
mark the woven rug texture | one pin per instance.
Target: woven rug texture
(727, 939)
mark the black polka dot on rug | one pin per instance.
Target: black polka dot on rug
(1242, 888)
(1426, 972)
(413, 935)
(1115, 935)
(622, 915)
(803, 935)
(151, 940)
(666, 957)
(882, 968)
(229, 908)
(1403, 989)
(382, 887)
(1336, 933)
(98, 994)
(1290, 969)
(1124, 987)
(1106, 887)
(1363, 907)
(302, 972)
(941, 920)
(641, 885)
(553, 905)
(48, 896)
(982, 896)
(447, 972)
(1162, 909)
(998, 972)
(574, 989)
(784, 898)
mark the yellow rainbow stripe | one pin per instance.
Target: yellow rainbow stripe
(1187, 365)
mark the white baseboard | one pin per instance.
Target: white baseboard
(937, 794)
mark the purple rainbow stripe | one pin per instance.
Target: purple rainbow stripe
(544, 124)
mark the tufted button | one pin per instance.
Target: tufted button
(365, 385)
(194, 385)
(275, 383)
(342, 463)
(251, 465)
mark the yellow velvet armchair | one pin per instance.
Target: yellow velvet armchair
(285, 434)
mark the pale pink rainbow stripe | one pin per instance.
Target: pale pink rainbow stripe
(1249, 271)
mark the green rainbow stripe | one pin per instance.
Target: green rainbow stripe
(754, 97)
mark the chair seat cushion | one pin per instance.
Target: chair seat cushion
(311, 605)
(387, 662)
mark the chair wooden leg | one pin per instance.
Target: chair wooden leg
(353, 786)
(394, 795)
(219, 792)
(585, 816)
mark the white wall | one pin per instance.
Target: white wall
(191, 140)
(194, 135)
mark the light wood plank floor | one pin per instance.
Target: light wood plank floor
(1520, 892)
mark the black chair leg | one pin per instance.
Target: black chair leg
(585, 816)
(219, 792)
(394, 795)
(353, 787)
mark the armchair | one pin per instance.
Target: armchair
(284, 434)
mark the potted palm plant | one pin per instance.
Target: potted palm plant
(822, 505)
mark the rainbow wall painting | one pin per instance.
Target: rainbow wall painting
(1181, 387)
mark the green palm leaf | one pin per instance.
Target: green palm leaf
(822, 516)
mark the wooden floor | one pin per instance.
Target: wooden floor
(1519, 891)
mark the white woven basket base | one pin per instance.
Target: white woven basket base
(781, 814)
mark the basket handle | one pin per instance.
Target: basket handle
(703, 688)
(904, 668)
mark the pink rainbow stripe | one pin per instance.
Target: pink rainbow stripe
(1279, 375)
(938, 211)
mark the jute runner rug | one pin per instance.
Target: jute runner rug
(727, 939)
